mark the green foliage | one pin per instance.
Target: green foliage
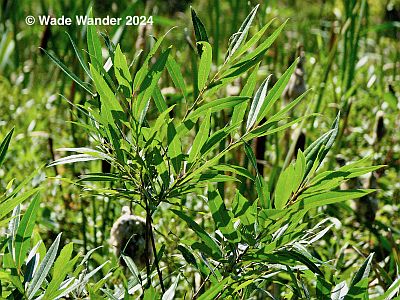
(208, 155)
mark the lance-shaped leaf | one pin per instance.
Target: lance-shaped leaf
(11, 202)
(62, 266)
(213, 291)
(176, 75)
(4, 146)
(141, 74)
(204, 65)
(94, 45)
(174, 147)
(289, 181)
(80, 57)
(187, 254)
(67, 71)
(44, 268)
(252, 41)
(132, 268)
(257, 103)
(252, 58)
(234, 169)
(170, 293)
(222, 220)
(24, 232)
(111, 110)
(238, 38)
(201, 138)
(148, 85)
(217, 137)
(317, 200)
(121, 70)
(211, 247)
(73, 159)
(276, 92)
(359, 284)
(217, 105)
(263, 47)
(247, 91)
(199, 31)
(316, 152)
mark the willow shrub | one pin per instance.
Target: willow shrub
(255, 247)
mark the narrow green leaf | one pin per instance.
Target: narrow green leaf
(250, 155)
(239, 37)
(216, 138)
(111, 109)
(220, 215)
(297, 256)
(247, 91)
(209, 177)
(359, 284)
(299, 171)
(4, 146)
(187, 255)
(270, 128)
(263, 47)
(217, 105)
(323, 288)
(263, 192)
(201, 137)
(132, 268)
(170, 293)
(276, 92)
(174, 147)
(253, 40)
(80, 57)
(67, 71)
(44, 268)
(176, 75)
(257, 103)
(316, 152)
(159, 100)
(61, 268)
(8, 205)
(24, 232)
(148, 85)
(251, 59)
(144, 69)
(283, 188)
(214, 290)
(234, 169)
(94, 45)
(325, 198)
(121, 70)
(204, 65)
(199, 30)
(91, 177)
(213, 248)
